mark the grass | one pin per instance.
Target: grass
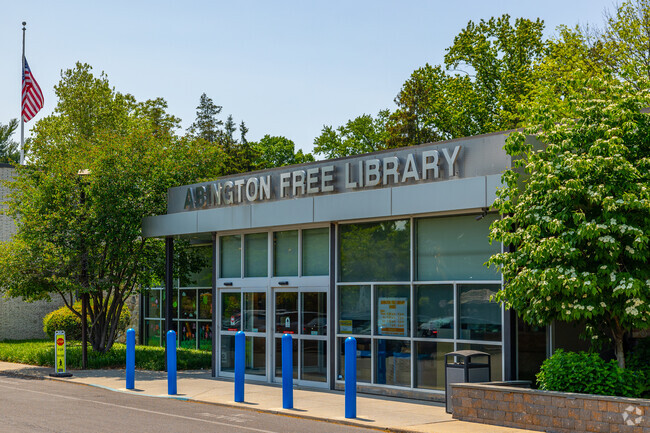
(41, 352)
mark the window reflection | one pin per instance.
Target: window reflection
(354, 309)
(435, 310)
(230, 311)
(285, 253)
(480, 318)
(375, 251)
(255, 312)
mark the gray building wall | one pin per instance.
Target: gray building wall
(18, 319)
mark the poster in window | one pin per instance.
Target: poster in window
(391, 316)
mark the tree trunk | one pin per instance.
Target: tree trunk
(618, 346)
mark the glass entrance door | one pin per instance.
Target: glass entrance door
(303, 314)
(243, 310)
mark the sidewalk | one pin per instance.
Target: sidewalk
(383, 413)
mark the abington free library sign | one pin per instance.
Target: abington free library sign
(366, 173)
(387, 247)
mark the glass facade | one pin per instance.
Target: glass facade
(192, 309)
(421, 291)
(409, 290)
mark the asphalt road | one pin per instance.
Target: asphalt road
(29, 405)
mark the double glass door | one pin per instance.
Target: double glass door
(303, 314)
(244, 310)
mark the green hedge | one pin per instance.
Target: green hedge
(588, 373)
(41, 352)
(65, 320)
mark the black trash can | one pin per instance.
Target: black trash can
(460, 367)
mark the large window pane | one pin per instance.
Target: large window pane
(430, 367)
(230, 311)
(435, 311)
(315, 252)
(188, 335)
(314, 360)
(354, 309)
(375, 251)
(163, 305)
(314, 313)
(393, 310)
(255, 312)
(496, 357)
(393, 362)
(153, 331)
(230, 256)
(205, 304)
(455, 248)
(205, 336)
(480, 319)
(256, 255)
(364, 359)
(285, 252)
(204, 277)
(152, 303)
(286, 312)
(188, 303)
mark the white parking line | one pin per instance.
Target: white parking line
(133, 408)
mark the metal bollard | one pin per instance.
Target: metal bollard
(171, 362)
(350, 377)
(240, 365)
(130, 358)
(287, 371)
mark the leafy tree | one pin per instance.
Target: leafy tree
(244, 153)
(277, 152)
(434, 105)
(501, 56)
(156, 111)
(229, 129)
(82, 234)
(361, 135)
(206, 125)
(572, 56)
(627, 38)
(579, 220)
(9, 153)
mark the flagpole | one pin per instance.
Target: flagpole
(22, 120)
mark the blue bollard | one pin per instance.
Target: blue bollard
(130, 358)
(171, 362)
(350, 377)
(240, 365)
(287, 371)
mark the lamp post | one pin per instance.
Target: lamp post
(84, 282)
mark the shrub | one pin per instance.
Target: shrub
(588, 373)
(65, 320)
(41, 352)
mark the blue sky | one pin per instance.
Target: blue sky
(284, 67)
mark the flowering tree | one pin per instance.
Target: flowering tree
(577, 213)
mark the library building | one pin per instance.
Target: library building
(387, 247)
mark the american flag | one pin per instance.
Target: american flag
(32, 95)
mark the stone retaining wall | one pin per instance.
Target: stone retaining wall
(549, 411)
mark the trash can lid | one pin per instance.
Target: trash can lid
(466, 354)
